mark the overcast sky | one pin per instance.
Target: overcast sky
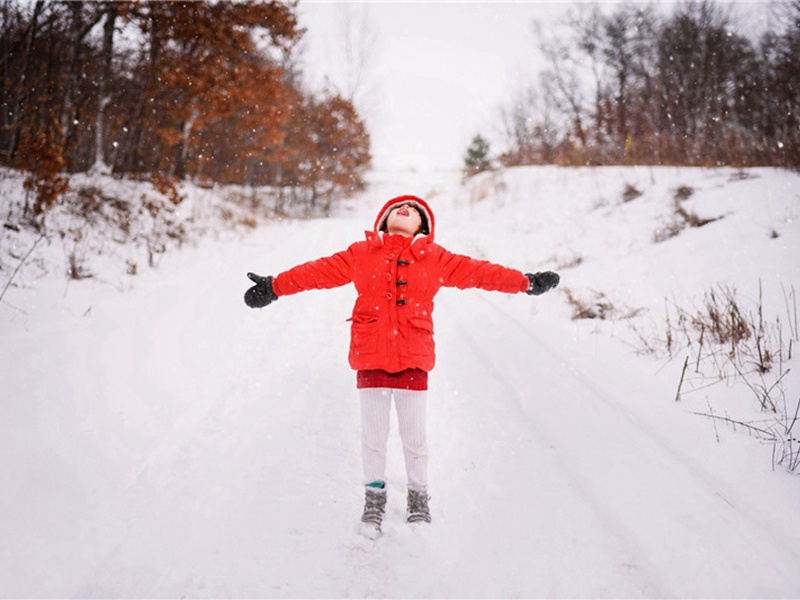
(436, 73)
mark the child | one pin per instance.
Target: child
(397, 271)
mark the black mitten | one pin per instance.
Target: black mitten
(261, 294)
(541, 282)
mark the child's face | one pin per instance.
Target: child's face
(404, 220)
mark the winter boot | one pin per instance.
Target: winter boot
(418, 511)
(374, 506)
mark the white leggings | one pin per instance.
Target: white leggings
(411, 409)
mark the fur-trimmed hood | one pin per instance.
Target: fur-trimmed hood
(425, 211)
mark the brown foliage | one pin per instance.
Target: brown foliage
(167, 186)
(326, 144)
(44, 164)
(203, 92)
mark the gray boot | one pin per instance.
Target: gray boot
(374, 506)
(418, 511)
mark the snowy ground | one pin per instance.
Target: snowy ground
(169, 442)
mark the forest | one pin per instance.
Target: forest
(638, 85)
(213, 92)
(170, 91)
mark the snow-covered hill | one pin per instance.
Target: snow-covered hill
(163, 440)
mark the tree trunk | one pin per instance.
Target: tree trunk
(25, 92)
(100, 165)
(78, 31)
(179, 167)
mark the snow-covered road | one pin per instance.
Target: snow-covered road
(170, 442)
(605, 498)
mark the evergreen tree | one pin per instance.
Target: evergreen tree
(477, 158)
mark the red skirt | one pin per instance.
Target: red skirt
(410, 379)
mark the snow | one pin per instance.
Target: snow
(163, 440)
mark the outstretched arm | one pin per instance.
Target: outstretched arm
(323, 273)
(457, 270)
(463, 272)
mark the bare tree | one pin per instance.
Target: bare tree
(685, 88)
(698, 61)
(586, 27)
(359, 41)
(528, 127)
(563, 82)
(628, 53)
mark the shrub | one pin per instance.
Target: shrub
(682, 218)
(45, 163)
(167, 186)
(599, 307)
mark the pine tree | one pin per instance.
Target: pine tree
(477, 158)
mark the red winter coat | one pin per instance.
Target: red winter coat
(396, 278)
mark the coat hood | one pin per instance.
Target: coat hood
(418, 203)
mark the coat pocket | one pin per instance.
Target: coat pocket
(420, 336)
(363, 334)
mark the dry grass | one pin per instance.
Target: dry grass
(681, 217)
(725, 339)
(630, 193)
(598, 306)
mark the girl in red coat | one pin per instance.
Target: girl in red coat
(396, 271)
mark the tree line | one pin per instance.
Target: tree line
(203, 90)
(635, 86)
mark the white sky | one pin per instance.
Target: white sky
(437, 71)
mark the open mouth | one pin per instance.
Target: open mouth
(403, 211)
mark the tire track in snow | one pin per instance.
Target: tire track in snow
(713, 484)
(633, 558)
(643, 488)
